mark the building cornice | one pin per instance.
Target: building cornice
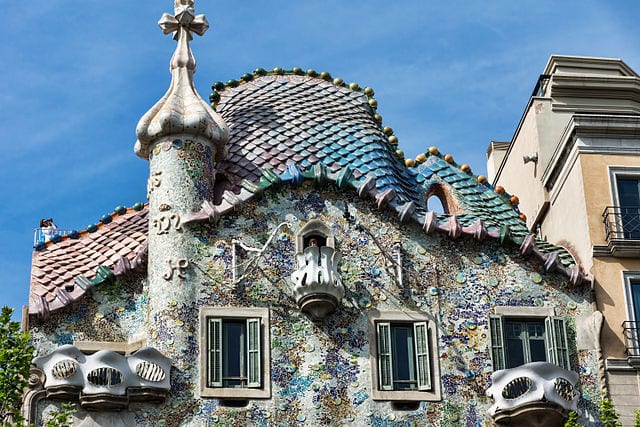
(592, 134)
(601, 94)
(588, 64)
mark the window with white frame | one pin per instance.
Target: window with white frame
(625, 185)
(234, 352)
(632, 325)
(634, 293)
(404, 356)
(517, 339)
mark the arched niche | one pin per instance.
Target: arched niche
(314, 229)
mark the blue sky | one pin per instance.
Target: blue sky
(78, 75)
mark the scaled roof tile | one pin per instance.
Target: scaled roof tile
(57, 265)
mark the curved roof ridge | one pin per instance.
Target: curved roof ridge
(393, 141)
(98, 261)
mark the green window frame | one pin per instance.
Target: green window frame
(234, 353)
(554, 337)
(403, 356)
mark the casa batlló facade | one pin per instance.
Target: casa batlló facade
(286, 271)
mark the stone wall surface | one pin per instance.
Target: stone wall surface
(321, 372)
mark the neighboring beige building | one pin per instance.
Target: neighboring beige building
(574, 164)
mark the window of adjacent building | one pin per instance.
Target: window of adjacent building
(404, 357)
(629, 199)
(625, 182)
(517, 341)
(634, 286)
(631, 326)
(234, 352)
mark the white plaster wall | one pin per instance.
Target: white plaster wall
(523, 179)
(567, 220)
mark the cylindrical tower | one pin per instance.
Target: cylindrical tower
(182, 137)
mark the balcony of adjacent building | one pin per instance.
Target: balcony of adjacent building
(622, 230)
(631, 333)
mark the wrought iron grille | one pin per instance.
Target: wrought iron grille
(631, 332)
(622, 222)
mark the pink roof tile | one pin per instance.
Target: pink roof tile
(56, 266)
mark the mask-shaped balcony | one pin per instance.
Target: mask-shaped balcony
(537, 394)
(106, 380)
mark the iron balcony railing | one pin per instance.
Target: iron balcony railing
(622, 222)
(631, 332)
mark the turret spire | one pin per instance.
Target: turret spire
(181, 110)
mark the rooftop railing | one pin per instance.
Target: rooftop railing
(42, 235)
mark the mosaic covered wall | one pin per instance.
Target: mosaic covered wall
(321, 372)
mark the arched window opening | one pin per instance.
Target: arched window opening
(434, 204)
(440, 200)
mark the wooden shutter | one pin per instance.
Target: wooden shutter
(253, 353)
(556, 340)
(497, 343)
(215, 353)
(422, 355)
(385, 362)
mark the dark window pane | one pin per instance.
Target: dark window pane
(635, 292)
(535, 335)
(628, 192)
(535, 329)
(233, 346)
(514, 329)
(515, 352)
(537, 350)
(525, 342)
(403, 357)
(515, 346)
(629, 198)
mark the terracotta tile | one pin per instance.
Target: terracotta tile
(39, 290)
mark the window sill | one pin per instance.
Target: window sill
(412, 395)
(236, 393)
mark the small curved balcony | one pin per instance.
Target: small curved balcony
(317, 287)
(537, 394)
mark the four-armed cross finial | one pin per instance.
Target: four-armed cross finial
(184, 20)
(181, 110)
